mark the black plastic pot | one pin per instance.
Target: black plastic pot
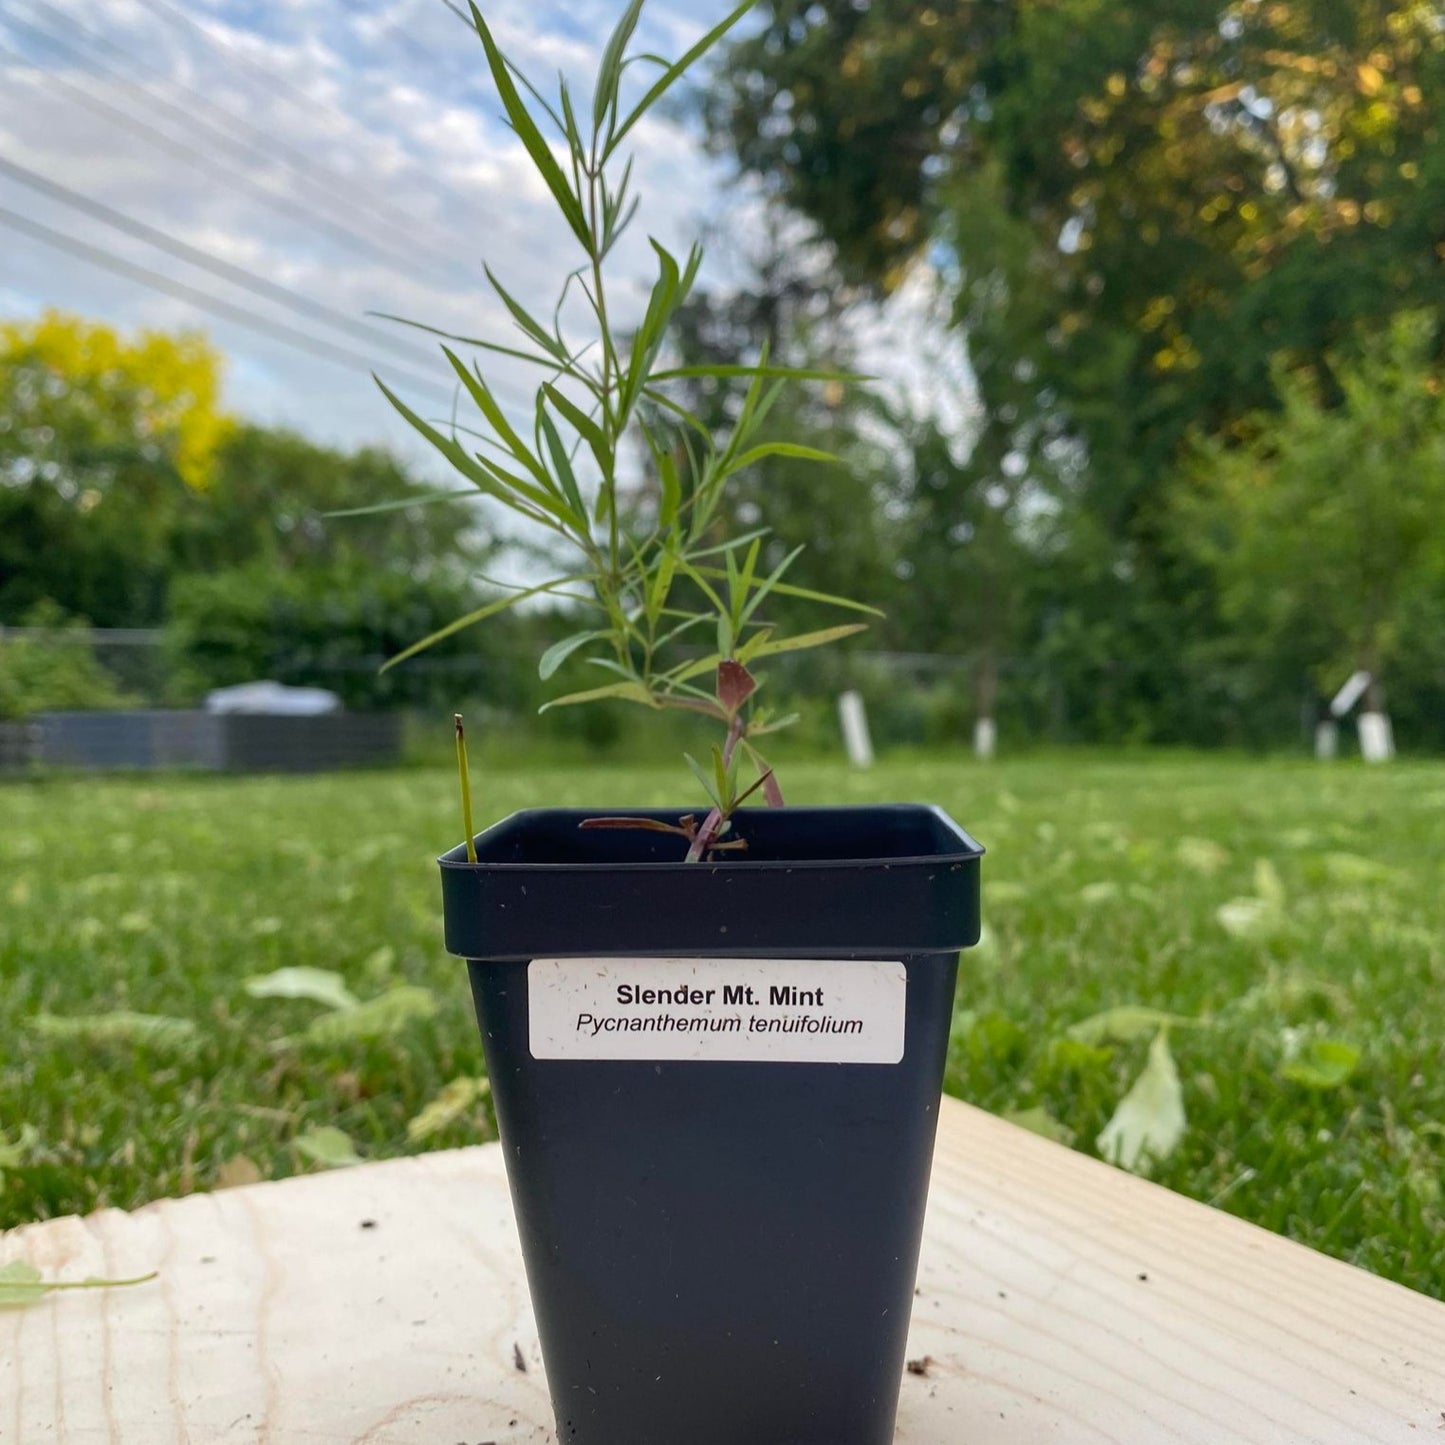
(721, 1251)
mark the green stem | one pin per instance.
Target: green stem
(464, 775)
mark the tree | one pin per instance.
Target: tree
(1203, 185)
(272, 495)
(100, 437)
(1323, 525)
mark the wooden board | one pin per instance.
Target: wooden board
(1059, 1300)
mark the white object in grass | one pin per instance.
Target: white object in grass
(1350, 693)
(985, 737)
(1377, 737)
(854, 721)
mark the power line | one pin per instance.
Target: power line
(344, 194)
(239, 276)
(202, 300)
(197, 157)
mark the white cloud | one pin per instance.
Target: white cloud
(357, 157)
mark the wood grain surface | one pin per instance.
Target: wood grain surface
(1059, 1301)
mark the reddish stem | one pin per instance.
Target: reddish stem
(707, 834)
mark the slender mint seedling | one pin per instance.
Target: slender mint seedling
(464, 776)
(649, 576)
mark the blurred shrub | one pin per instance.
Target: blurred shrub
(55, 669)
(334, 627)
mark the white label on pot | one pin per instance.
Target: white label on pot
(801, 1011)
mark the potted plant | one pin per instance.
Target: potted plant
(716, 1038)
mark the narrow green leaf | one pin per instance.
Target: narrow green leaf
(609, 72)
(697, 575)
(527, 132)
(725, 639)
(479, 615)
(528, 323)
(585, 426)
(402, 504)
(666, 296)
(787, 373)
(559, 652)
(673, 72)
(770, 647)
(742, 540)
(769, 582)
(481, 393)
(709, 785)
(570, 129)
(787, 589)
(783, 449)
(720, 773)
(615, 202)
(734, 576)
(480, 342)
(682, 627)
(627, 691)
(562, 465)
(671, 490)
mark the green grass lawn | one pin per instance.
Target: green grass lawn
(1295, 913)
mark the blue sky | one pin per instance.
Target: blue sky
(352, 154)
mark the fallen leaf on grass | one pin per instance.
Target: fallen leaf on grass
(121, 1027)
(1353, 868)
(1322, 1064)
(21, 1284)
(1250, 918)
(1149, 1122)
(379, 1017)
(1124, 1024)
(1201, 855)
(329, 1146)
(1039, 1121)
(320, 985)
(451, 1103)
(1267, 883)
(237, 1172)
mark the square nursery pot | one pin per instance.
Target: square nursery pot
(717, 1088)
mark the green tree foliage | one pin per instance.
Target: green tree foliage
(1202, 185)
(1149, 214)
(1324, 525)
(335, 625)
(101, 437)
(272, 494)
